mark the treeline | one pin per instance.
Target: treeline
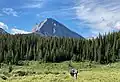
(103, 49)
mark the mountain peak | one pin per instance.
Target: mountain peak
(51, 27)
(50, 19)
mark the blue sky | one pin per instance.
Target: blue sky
(86, 17)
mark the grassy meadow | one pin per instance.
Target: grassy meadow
(34, 71)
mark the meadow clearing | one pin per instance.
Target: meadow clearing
(34, 71)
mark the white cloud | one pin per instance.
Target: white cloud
(38, 15)
(3, 26)
(100, 16)
(117, 26)
(38, 5)
(18, 31)
(10, 11)
(34, 4)
(1, 14)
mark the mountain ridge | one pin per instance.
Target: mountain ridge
(51, 27)
(2, 31)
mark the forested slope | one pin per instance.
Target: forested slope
(103, 49)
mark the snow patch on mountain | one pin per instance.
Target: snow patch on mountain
(54, 30)
(54, 24)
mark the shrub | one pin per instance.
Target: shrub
(56, 73)
(10, 68)
(3, 77)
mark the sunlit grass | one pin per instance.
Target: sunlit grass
(58, 72)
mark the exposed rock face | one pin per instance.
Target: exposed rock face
(3, 31)
(51, 27)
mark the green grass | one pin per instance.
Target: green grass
(58, 72)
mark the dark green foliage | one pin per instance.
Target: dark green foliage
(15, 48)
(10, 68)
(3, 77)
(20, 73)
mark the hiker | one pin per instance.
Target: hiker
(73, 73)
